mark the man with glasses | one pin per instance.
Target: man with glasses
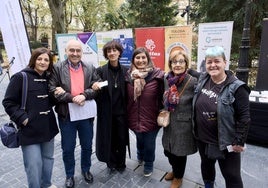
(70, 83)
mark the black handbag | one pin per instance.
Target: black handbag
(9, 131)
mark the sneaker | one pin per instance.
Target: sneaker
(148, 174)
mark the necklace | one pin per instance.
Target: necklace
(115, 77)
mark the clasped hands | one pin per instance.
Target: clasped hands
(78, 99)
(238, 148)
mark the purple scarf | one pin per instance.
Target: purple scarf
(172, 95)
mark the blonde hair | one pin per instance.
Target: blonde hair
(175, 54)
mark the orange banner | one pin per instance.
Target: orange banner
(177, 38)
(153, 40)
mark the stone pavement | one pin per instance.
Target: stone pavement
(12, 175)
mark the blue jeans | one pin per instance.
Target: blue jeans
(146, 148)
(38, 163)
(68, 131)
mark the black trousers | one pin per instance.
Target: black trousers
(178, 164)
(118, 142)
(230, 167)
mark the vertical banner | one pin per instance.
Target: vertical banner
(214, 34)
(124, 36)
(262, 76)
(61, 40)
(178, 38)
(14, 34)
(90, 49)
(89, 46)
(152, 39)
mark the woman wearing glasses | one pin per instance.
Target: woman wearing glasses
(178, 140)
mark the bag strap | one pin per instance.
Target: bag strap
(24, 91)
(184, 87)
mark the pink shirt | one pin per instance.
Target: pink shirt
(77, 81)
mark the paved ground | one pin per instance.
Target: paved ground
(12, 175)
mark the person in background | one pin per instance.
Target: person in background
(37, 123)
(112, 130)
(145, 88)
(71, 82)
(178, 139)
(221, 120)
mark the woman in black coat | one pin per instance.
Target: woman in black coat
(112, 130)
(37, 122)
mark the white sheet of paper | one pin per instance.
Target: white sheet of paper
(104, 83)
(88, 110)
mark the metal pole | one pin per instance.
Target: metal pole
(243, 63)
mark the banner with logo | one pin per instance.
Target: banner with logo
(89, 45)
(14, 35)
(61, 40)
(262, 76)
(124, 36)
(177, 38)
(153, 40)
(214, 34)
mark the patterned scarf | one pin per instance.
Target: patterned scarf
(172, 95)
(138, 76)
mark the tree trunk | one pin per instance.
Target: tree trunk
(57, 8)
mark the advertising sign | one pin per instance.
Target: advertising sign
(153, 40)
(14, 35)
(89, 46)
(214, 34)
(124, 36)
(178, 38)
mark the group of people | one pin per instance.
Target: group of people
(209, 112)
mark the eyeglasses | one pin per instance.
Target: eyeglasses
(72, 50)
(180, 62)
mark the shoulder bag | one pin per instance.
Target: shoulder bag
(9, 131)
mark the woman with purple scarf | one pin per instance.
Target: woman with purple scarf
(178, 139)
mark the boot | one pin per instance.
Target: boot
(176, 183)
(209, 185)
(169, 176)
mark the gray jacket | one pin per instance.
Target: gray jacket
(60, 77)
(178, 136)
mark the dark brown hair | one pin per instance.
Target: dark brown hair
(36, 53)
(142, 50)
(110, 45)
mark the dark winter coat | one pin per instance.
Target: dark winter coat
(104, 113)
(142, 113)
(42, 125)
(178, 137)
